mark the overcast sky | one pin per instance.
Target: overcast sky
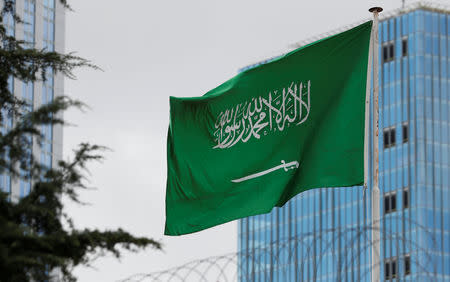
(150, 50)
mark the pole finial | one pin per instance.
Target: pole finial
(376, 10)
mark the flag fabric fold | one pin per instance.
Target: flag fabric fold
(273, 131)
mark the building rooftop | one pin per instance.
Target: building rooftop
(385, 15)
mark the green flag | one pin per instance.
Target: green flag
(269, 133)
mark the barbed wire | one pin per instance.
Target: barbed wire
(236, 266)
(425, 5)
(249, 264)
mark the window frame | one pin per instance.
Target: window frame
(388, 51)
(407, 261)
(390, 268)
(404, 46)
(406, 198)
(389, 137)
(390, 198)
(405, 132)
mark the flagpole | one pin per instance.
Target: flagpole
(375, 187)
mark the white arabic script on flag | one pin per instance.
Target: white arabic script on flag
(281, 109)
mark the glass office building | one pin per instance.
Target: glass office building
(325, 234)
(43, 27)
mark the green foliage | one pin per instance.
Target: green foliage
(37, 237)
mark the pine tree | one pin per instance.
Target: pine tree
(37, 238)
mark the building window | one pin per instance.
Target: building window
(390, 202)
(390, 269)
(405, 198)
(405, 132)
(407, 265)
(389, 137)
(48, 84)
(9, 23)
(29, 22)
(388, 52)
(392, 135)
(49, 25)
(404, 47)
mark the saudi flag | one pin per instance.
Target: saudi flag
(271, 132)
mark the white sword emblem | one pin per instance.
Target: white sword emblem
(283, 165)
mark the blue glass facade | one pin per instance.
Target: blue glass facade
(49, 84)
(324, 234)
(29, 18)
(7, 120)
(37, 31)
